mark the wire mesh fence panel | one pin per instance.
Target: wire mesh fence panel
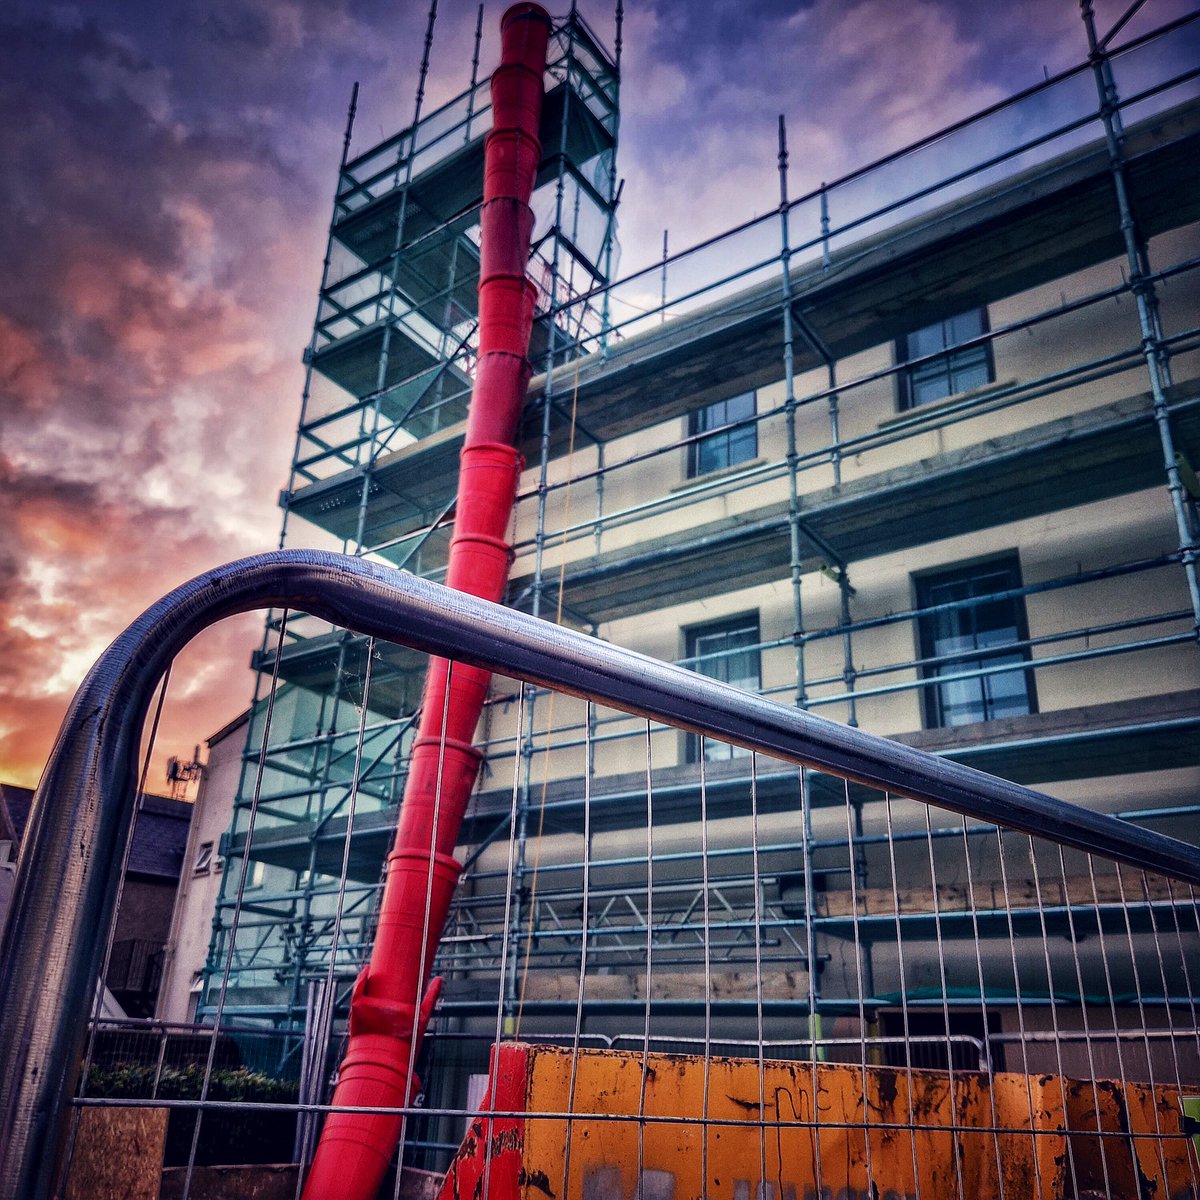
(702, 970)
(728, 955)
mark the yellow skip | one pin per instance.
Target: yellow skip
(680, 1129)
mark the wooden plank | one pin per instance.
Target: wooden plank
(118, 1154)
(1022, 895)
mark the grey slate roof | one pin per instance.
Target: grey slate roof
(160, 837)
(159, 834)
(14, 803)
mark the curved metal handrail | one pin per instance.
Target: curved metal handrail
(62, 906)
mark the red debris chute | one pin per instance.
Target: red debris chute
(391, 1006)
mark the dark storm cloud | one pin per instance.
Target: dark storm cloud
(140, 360)
(166, 174)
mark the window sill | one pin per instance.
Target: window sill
(947, 402)
(750, 464)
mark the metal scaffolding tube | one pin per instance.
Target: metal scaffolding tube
(519, 907)
(394, 269)
(471, 87)
(1005, 668)
(306, 394)
(1141, 284)
(285, 497)
(789, 404)
(1028, 589)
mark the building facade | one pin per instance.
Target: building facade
(186, 950)
(917, 452)
(151, 874)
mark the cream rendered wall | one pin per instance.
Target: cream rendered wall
(653, 498)
(195, 902)
(666, 501)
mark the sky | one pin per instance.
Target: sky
(166, 180)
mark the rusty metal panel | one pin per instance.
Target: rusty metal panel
(723, 1127)
(673, 1126)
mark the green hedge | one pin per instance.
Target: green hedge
(226, 1137)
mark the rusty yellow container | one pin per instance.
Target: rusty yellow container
(608, 1125)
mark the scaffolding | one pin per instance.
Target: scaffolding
(388, 369)
(1077, 197)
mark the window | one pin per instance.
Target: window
(972, 635)
(728, 651)
(944, 374)
(256, 873)
(194, 993)
(204, 858)
(728, 447)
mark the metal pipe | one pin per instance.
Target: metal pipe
(524, 792)
(1005, 668)
(789, 404)
(391, 277)
(474, 74)
(84, 805)
(662, 301)
(310, 351)
(614, 190)
(1140, 281)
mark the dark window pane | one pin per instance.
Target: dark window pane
(948, 373)
(964, 327)
(929, 383)
(927, 341)
(969, 369)
(729, 447)
(711, 455)
(972, 639)
(728, 651)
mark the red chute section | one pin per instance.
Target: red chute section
(391, 1006)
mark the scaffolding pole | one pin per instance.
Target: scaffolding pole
(789, 389)
(522, 908)
(391, 278)
(1158, 367)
